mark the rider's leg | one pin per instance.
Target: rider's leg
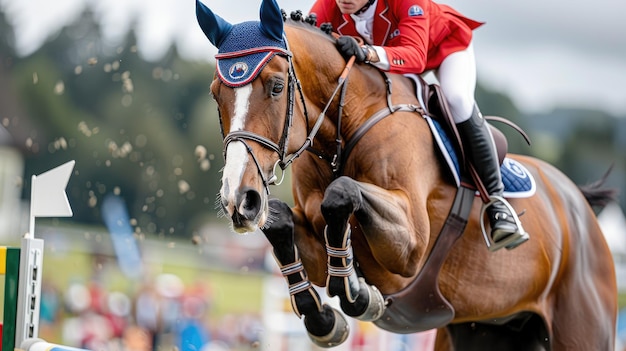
(457, 78)
(483, 156)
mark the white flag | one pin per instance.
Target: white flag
(48, 198)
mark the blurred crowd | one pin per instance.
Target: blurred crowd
(163, 314)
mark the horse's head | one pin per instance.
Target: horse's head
(254, 91)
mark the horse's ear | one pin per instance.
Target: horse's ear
(214, 27)
(271, 19)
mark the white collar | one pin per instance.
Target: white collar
(367, 15)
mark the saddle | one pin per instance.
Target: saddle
(438, 108)
(518, 182)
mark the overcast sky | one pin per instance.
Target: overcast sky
(543, 53)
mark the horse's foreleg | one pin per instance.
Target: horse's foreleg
(357, 298)
(326, 326)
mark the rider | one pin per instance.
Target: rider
(414, 36)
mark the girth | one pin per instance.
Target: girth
(421, 306)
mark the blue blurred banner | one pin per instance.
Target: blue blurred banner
(116, 218)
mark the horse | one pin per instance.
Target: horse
(377, 219)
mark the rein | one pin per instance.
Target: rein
(338, 160)
(320, 118)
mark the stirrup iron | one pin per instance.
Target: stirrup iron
(510, 242)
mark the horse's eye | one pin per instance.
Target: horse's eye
(277, 89)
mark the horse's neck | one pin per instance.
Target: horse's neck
(319, 66)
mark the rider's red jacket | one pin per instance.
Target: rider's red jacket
(416, 34)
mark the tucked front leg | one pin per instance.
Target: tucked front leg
(326, 326)
(358, 299)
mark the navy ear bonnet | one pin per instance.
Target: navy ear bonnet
(244, 53)
(244, 48)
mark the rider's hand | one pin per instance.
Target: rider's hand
(348, 47)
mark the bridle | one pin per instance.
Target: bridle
(281, 147)
(285, 159)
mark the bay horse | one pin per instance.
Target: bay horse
(373, 204)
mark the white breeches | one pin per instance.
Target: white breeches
(457, 78)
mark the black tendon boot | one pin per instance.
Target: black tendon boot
(478, 141)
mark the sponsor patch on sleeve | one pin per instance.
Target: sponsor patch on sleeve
(415, 10)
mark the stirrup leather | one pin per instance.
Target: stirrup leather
(511, 241)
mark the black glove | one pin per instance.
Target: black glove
(348, 46)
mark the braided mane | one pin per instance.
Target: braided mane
(309, 21)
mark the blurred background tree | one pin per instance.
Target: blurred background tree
(145, 130)
(148, 130)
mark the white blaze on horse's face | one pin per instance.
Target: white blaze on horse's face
(236, 154)
(237, 158)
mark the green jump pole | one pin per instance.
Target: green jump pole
(10, 261)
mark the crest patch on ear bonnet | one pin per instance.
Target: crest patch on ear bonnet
(244, 52)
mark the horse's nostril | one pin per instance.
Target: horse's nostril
(251, 202)
(247, 208)
(248, 204)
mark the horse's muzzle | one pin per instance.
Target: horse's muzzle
(246, 212)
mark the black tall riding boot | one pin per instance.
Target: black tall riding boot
(478, 141)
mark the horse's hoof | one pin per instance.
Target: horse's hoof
(376, 303)
(337, 335)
